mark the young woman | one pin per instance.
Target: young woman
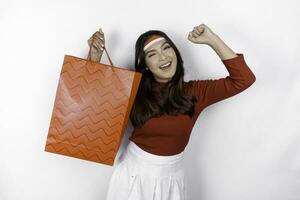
(165, 111)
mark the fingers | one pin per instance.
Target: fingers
(99, 35)
(198, 30)
(200, 34)
(94, 43)
(191, 37)
(97, 45)
(97, 40)
(195, 30)
(194, 34)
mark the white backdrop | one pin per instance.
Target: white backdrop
(243, 148)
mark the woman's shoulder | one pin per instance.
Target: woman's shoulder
(192, 83)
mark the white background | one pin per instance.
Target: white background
(243, 148)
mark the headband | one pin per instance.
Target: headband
(152, 40)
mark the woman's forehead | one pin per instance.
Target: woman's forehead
(157, 44)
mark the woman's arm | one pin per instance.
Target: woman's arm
(213, 90)
(202, 34)
(240, 76)
(219, 46)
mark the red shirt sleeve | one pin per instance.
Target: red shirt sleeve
(213, 90)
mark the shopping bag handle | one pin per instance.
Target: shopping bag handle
(89, 55)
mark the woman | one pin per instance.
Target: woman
(165, 111)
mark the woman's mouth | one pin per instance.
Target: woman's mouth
(166, 65)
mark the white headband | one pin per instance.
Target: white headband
(152, 42)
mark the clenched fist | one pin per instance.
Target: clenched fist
(201, 34)
(96, 43)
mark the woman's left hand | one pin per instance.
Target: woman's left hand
(202, 34)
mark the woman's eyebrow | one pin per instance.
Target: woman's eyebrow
(149, 51)
(154, 50)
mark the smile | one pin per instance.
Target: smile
(168, 64)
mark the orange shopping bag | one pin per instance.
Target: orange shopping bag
(91, 109)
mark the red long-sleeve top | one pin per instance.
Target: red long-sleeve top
(168, 135)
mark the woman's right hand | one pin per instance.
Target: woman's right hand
(96, 43)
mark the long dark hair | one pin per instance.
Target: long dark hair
(172, 98)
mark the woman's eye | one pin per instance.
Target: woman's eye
(151, 55)
(167, 47)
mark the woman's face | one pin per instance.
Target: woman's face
(161, 60)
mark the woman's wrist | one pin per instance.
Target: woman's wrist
(221, 48)
(215, 41)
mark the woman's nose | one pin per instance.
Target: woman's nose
(162, 56)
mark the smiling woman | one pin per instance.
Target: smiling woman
(161, 59)
(164, 113)
(160, 62)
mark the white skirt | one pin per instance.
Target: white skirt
(140, 175)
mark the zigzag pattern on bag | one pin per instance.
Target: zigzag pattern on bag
(91, 110)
